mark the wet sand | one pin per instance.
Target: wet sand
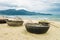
(20, 33)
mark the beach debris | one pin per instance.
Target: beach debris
(36, 28)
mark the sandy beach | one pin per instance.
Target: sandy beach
(20, 33)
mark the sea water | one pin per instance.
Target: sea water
(36, 17)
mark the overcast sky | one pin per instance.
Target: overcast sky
(45, 6)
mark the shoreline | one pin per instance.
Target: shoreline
(34, 17)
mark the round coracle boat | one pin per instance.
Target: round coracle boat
(15, 22)
(37, 28)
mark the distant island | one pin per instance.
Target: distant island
(19, 12)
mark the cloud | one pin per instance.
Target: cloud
(55, 8)
(32, 5)
(8, 5)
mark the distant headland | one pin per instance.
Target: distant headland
(19, 12)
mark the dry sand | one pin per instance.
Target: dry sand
(20, 33)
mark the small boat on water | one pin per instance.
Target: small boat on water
(15, 22)
(37, 28)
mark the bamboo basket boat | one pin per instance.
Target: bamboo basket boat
(15, 22)
(36, 28)
(3, 20)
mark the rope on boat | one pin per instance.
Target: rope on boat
(45, 21)
(54, 26)
(49, 22)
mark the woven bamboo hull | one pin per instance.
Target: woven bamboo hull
(15, 23)
(36, 30)
(2, 21)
